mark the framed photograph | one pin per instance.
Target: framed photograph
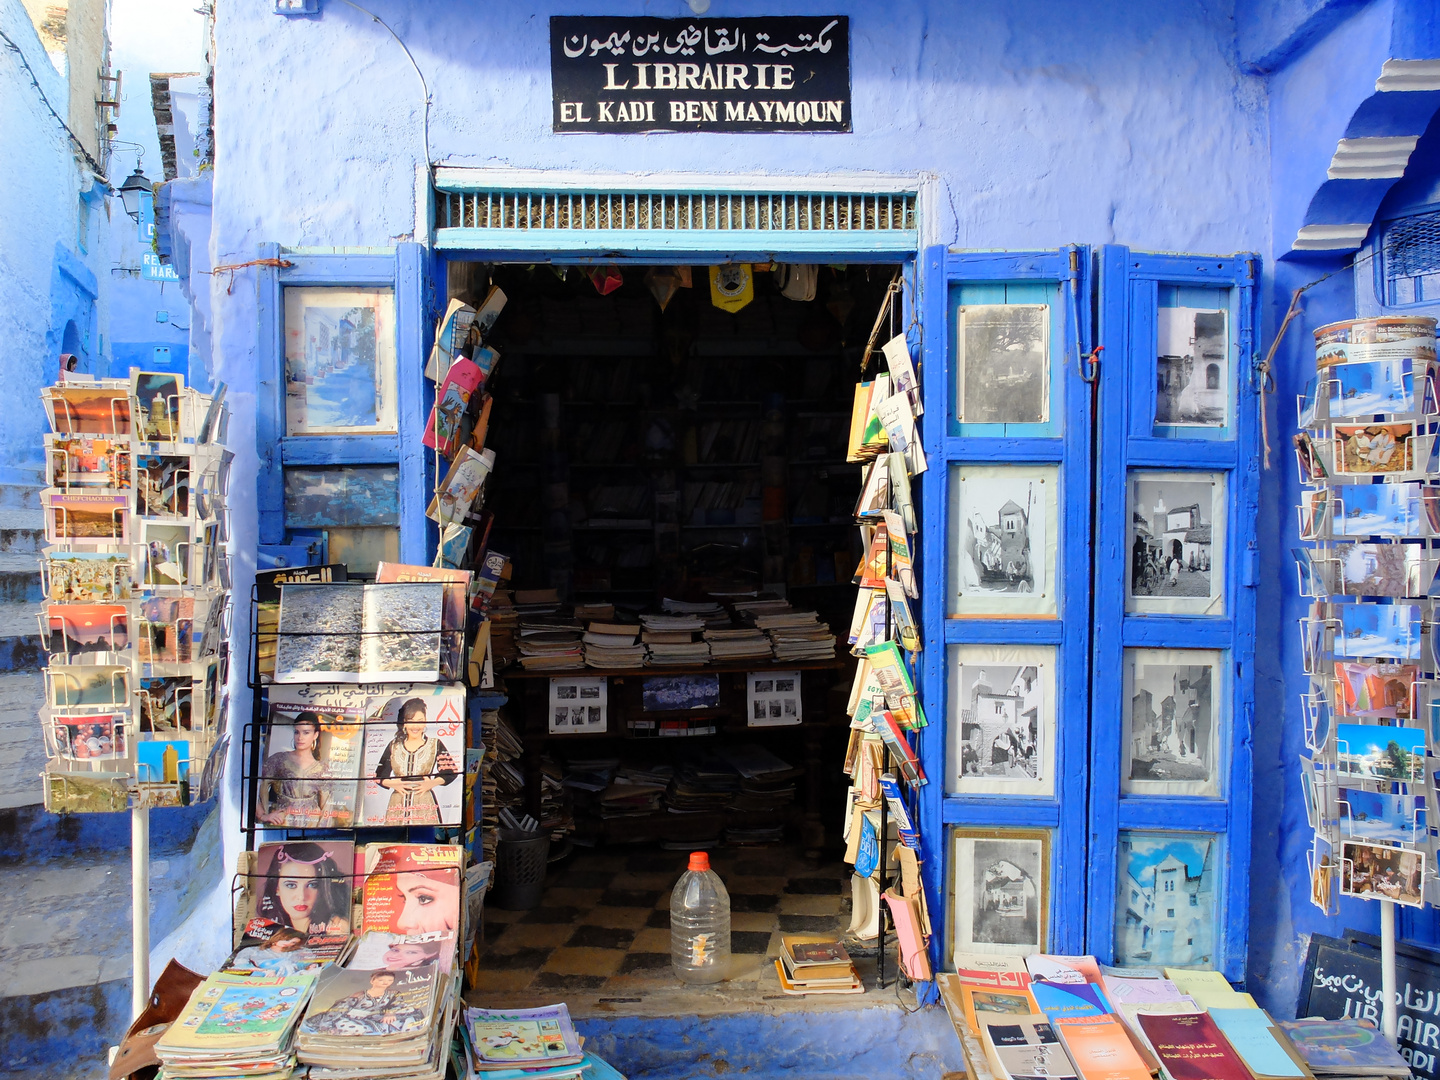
(1171, 728)
(1002, 364)
(1176, 543)
(156, 395)
(1192, 367)
(1379, 631)
(1382, 873)
(1004, 743)
(339, 361)
(1165, 899)
(579, 705)
(772, 698)
(1374, 449)
(1000, 891)
(1004, 522)
(1365, 390)
(1381, 816)
(1371, 752)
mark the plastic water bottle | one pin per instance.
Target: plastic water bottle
(700, 923)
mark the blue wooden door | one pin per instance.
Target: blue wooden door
(1005, 556)
(1177, 491)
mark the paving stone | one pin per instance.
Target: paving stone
(808, 924)
(566, 915)
(749, 941)
(645, 962)
(601, 937)
(573, 960)
(618, 918)
(567, 983)
(652, 939)
(532, 936)
(816, 886)
(751, 902)
(631, 898)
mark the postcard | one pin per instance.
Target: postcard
(319, 633)
(1171, 740)
(1382, 873)
(1315, 520)
(92, 737)
(166, 704)
(162, 485)
(1001, 889)
(1373, 815)
(167, 551)
(1174, 877)
(88, 687)
(414, 754)
(71, 517)
(156, 397)
(314, 751)
(1192, 369)
(162, 762)
(1392, 338)
(1176, 543)
(87, 461)
(1394, 570)
(1306, 408)
(1366, 752)
(1374, 449)
(1380, 690)
(1365, 390)
(166, 629)
(901, 433)
(339, 361)
(452, 400)
(450, 338)
(1004, 696)
(1378, 631)
(78, 409)
(1390, 510)
(1309, 459)
(81, 633)
(1004, 522)
(82, 577)
(578, 705)
(1002, 364)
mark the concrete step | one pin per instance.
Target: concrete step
(21, 529)
(26, 494)
(20, 577)
(22, 743)
(20, 645)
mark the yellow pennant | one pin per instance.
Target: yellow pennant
(731, 286)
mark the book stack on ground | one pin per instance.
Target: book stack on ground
(702, 784)
(816, 964)
(613, 645)
(549, 641)
(634, 792)
(537, 1044)
(767, 782)
(237, 1025)
(670, 639)
(379, 1022)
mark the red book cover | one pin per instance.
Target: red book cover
(1191, 1047)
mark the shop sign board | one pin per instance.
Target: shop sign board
(621, 74)
(1342, 979)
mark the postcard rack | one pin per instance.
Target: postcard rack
(1370, 515)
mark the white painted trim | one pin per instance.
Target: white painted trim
(1372, 157)
(1331, 237)
(424, 206)
(1409, 75)
(857, 183)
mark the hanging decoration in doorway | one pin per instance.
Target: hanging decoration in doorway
(136, 584)
(1370, 513)
(606, 279)
(732, 286)
(665, 281)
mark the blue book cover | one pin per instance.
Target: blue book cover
(1069, 999)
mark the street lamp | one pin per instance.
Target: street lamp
(135, 185)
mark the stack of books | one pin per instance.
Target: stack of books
(701, 785)
(542, 1042)
(613, 645)
(794, 634)
(380, 1022)
(816, 964)
(1344, 1048)
(670, 639)
(504, 628)
(739, 643)
(634, 792)
(237, 1025)
(549, 641)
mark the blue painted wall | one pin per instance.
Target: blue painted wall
(1027, 124)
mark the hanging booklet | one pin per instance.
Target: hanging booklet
(902, 566)
(462, 486)
(899, 421)
(452, 400)
(902, 371)
(450, 337)
(894, 678)
(900, 500)
(907, 632)
(875, 491)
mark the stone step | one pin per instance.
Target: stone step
(22, 744)
(21, 530)
(20, 645)
(20, 577)
(23, 495)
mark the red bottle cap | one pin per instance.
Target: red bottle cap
(699, 861)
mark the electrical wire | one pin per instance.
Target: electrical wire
(425, 122)
(95, 166)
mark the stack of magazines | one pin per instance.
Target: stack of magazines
(742, 643)
(543, 1042)
(237, 1025)
(380, 1022)
(796, 635)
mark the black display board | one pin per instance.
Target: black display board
(621, 74)
(1342, 978)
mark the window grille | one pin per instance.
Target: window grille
(1412, 259)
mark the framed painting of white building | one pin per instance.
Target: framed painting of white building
(1002, 725)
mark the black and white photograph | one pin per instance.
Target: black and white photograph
(1176, 541)
(402, 622)
(1192, 367)
(319, 633)
(1001, 890)
(578, 705)
(773, 698)
(1003, 545)
(1170, 732)
(1004, 742)
(1003, 373)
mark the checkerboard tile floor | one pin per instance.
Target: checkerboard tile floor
(602, 929)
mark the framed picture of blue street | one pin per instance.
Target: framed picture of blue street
(339, 361)
(1165, 899)
(1176, 543)
(1003, 526)
(1171, 727)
